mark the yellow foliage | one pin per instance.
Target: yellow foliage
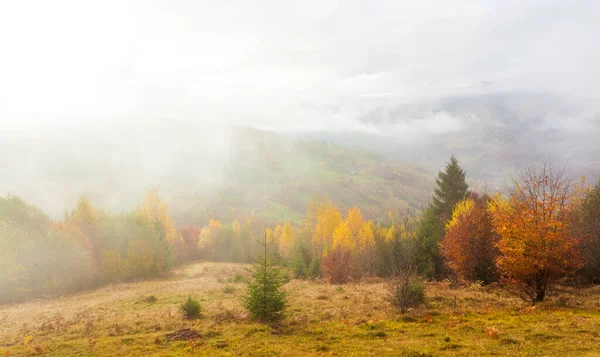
(287, 240)
(366, 237)
(270, 235)
(389, 235)
(236, 228)
(156, 212)
(328, 220)
(355, 222)
(214, 224)
(84, 212)
(342, 236)
(277, 232)
(461, 209)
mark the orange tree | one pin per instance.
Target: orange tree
(536, 247)
(468, 246)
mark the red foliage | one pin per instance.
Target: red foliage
(469, 243)
(190, 235)
(187, 248)
(337, 264)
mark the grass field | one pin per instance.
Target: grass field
(322, 320)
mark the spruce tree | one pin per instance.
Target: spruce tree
(265, 300)
(300, 259)
(451, 188)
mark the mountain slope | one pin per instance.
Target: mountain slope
(203, 172)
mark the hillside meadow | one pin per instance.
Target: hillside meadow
(142, 319)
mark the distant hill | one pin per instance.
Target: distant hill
(203, 172)
(491, 134)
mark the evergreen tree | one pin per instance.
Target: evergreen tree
(451, 189)
(265, 301)
(300, 260)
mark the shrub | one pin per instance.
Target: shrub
(228, 289)
(405, 289)
(238, 278)
(407, 295)
(151, 299)
(337, 264)
(191, 308)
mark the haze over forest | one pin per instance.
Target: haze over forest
(159, 98)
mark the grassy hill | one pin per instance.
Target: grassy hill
(276, 177)
(142, 319)
(203, 172)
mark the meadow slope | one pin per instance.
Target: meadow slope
(322, 320)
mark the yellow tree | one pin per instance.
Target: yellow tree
(355, 222)
(87, 218)
(287, 240)
(235, 227)
(84, 213)
(328, 220)
(389, 235)
(337, 259)
(342, 236)
(367, 253)
(155, 212)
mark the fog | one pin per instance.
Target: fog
(125, 95)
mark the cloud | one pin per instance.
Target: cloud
(283, 64)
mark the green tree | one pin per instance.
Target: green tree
(451, 189)
(587, 226)
(265, 300)
(300, 259)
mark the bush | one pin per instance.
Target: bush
(191, 308)
(337, 265)
(238, 278)
(405, 294)
(151, 299)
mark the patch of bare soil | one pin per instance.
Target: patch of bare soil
(183, 335)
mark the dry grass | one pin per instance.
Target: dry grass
(322, 319)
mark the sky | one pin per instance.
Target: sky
(285, 65)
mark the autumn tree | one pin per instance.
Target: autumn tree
(154, 211)
(328, 220)
(536, 245)
(191, 238)
(287, 240)
(367, 253)
(469, 243)
(337, 264)
(90, 221)
(451, 187)
(586, 224)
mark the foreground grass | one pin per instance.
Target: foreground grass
(322, 320)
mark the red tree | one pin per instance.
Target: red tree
(469, 243)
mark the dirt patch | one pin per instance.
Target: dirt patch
(183, 335)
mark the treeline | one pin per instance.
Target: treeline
(330, 243)
(89, 247)
(544, 231)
